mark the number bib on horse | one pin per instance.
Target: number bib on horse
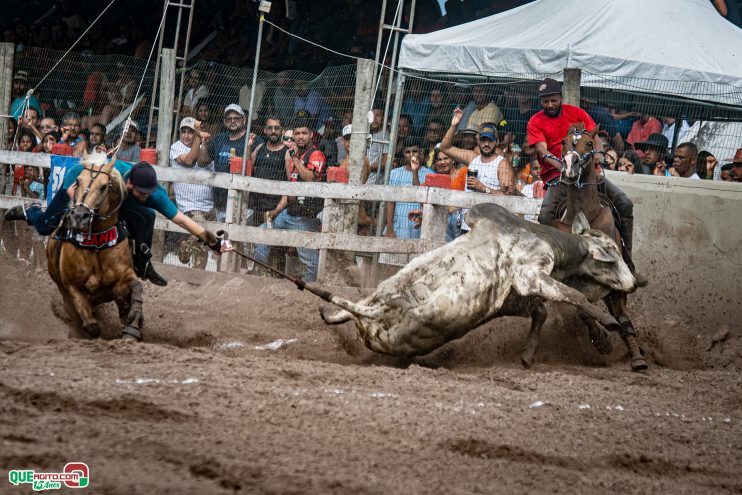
(97, 241)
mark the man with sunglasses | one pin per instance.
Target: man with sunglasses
(96, 139)
(219, 150)
(268, 163)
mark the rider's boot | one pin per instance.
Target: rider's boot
(143, 267)
(15, 213)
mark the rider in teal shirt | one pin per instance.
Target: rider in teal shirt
(144, 196)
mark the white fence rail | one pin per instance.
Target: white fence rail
(330, 191)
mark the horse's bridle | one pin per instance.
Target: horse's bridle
(581, 160)
(93, 210)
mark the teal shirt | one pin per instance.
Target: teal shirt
(158, 200)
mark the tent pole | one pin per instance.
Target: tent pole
(571, 86)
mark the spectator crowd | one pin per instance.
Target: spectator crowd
(476, 135)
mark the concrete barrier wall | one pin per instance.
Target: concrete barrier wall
(688, 242)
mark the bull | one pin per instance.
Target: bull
(504, 266)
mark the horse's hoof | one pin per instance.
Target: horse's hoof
(92, 331)
(131, 332)
(527, 359)
(639, 364)
(129, 338)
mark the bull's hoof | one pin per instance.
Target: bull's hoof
(600, 339)
(326, 313)
(639, 364)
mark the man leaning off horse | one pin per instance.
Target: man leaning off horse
(546, 131)
(145, 196)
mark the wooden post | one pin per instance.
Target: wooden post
(571, 86)
(6, 92)
(342, 217)
(435, 222)
(164, 131)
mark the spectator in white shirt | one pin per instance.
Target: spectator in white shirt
(194, 200)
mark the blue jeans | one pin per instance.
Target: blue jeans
(45, 221)
(309, 258)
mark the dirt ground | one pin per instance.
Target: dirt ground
(240, 387)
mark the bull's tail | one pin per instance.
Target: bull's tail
(354, 309)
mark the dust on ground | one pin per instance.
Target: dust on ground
(240, 387)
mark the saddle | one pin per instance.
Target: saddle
(96, 241)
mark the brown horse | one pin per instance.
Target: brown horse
(580, 177)
(89, 256)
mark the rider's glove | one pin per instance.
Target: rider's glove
(211, 240)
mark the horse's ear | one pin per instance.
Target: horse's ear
(109, 165)
(580, 225)
(595, 131)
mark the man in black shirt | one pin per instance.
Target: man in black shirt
(268, 163)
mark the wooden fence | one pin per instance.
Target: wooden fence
(434, 201)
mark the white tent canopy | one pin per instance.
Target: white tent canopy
(650, 41)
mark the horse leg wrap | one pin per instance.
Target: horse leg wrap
(135, 318)
(628, 334)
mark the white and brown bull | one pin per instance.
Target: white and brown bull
(505, 266)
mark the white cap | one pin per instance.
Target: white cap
(347, 130)
(234, 108)
(189, 122)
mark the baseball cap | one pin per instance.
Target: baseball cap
(144, 177)
(188, 122)
(654, 141)
(488, 130)
(303, 114)
(347, 130)
(549, 87)
(234, 107)
(21, 75)
(468, 130)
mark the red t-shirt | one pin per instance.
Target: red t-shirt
(316, 163)
(551, 130)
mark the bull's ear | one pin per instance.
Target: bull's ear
(600, 253)
(580, 225)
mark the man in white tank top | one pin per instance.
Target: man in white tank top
(488, 171)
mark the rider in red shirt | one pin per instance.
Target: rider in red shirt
(546, 130)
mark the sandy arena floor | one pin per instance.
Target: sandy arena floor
(215, 402)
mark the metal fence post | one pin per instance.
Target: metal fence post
(164, 129)
(6, 92)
